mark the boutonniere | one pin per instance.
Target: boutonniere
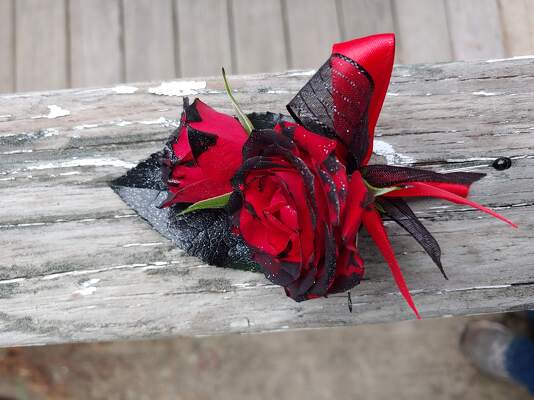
(288, 195)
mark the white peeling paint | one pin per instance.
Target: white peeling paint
(278, 91)
(300, 72)
(70, 173)
(123, 89)
(143, 244)
(23, 225)
(54, 112)
(34, 135)
(526, 57)
(468, 168)
(125, 216)
(14, 280)
(178, 88)
(5, 116)
(159, 121)
(88, 287)
(83, 162)
(50, 132)
(86, 291)
(249, 285)
(168, 123)
(459, 160)
(392, 94)
(154, 267)
(386, 150)
(17, 151)
(124, 123)
(32, 224)
(484, 93)
(467, 289)
(86, 126)
(92, 271)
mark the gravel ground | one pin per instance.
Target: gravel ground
(409, 360)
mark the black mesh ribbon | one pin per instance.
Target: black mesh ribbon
(335, 102)
(399, 211)
(389, 175)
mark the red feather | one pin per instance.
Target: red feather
(419, 189)
(375, 227)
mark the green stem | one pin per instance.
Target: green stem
(241, 116)
(375, 191)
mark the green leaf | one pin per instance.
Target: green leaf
(379, 208)
(241, 116)
(375, 191)
(213, 202)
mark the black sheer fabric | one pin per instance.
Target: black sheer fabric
(334, 103)
(401, 213)
(389, 175)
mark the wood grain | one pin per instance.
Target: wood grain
(364, 17)
(41, 45)
(203, 37)
(258, 34)
(475, 29)
(149, 47)
(7, 51)
(77, 264)
(95, 39)
(422, 31)
(517, 18)
(309, 48)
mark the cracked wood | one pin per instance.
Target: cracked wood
(78, 265)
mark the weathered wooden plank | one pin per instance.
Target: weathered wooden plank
(96, 271)
(41, 45)
(422, 31)
(475, 29)
(96, 56)
(149, 39)
(203, 37)
(310, 47)
(364, 17)
(259, 44)
(517, 23)
(7, 66)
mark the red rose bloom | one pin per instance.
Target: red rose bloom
(301, 191)
(203, 155)
(290, 206)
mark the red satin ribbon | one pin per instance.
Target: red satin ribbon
(374, 225)
(375, 54)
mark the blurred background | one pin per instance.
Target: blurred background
(56, 44)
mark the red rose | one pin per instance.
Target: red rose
(290, 205)
(203, 155)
